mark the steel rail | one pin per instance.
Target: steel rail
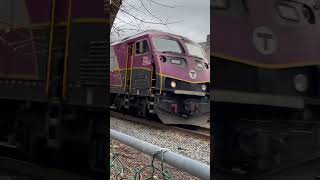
(194, 133)
(11, 168)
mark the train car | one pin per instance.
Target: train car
(154, 72)
(266, 84)
(53, 80)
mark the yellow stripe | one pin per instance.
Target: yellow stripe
(137, 68)
(134, 68)
(115, 86)
(15, 76)
(66, 54)
(267, 66)
(53, 8)
(91, 20)
(64, 23)
(193, 82)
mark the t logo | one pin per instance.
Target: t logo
(192, 74)
(264, 40)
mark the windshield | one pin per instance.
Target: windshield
(166, 45)
(195, 50)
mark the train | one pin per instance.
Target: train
(265, 86)
(163, 74)
(53, 82)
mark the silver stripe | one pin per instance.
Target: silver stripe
(189, 92)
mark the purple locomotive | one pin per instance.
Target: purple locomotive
(266, 73)
(53, 76)
(159, 73)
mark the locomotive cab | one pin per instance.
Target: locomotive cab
(184, 75)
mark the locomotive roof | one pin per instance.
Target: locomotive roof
(151, 33)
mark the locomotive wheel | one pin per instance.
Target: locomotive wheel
(97, 152)
(29, 143)
(84, 157)
(84, 144)
(98, 146)
(142, 108)
(118, 103)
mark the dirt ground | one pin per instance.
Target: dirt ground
(135, 160)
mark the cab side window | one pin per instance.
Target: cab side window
(220, 4)
(142, 47)
(5, 14)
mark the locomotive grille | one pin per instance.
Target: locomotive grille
(94, 69)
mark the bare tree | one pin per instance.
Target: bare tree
(136, 16)
(114, 8)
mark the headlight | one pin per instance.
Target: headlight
(176, 61)
(173, 84)
(204, 87)
(288, 12)
(200, 65)
(301, 82)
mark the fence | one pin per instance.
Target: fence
(191, 166)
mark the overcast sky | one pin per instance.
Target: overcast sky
(194, 14)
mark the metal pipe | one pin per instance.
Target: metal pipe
(191, 166)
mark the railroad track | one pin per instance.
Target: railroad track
(13, 169)
(309, 170)
(199, 132)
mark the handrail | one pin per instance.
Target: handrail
(53, 12)
(66, 52)
(132, 58)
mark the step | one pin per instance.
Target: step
(53, 121)
(7, 145)
(112, 107)
(98, 56)
(99, 46)
(53, 143)
(98, 43)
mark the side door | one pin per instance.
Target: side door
(142, 70)
(116, 84)
(129, 65)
